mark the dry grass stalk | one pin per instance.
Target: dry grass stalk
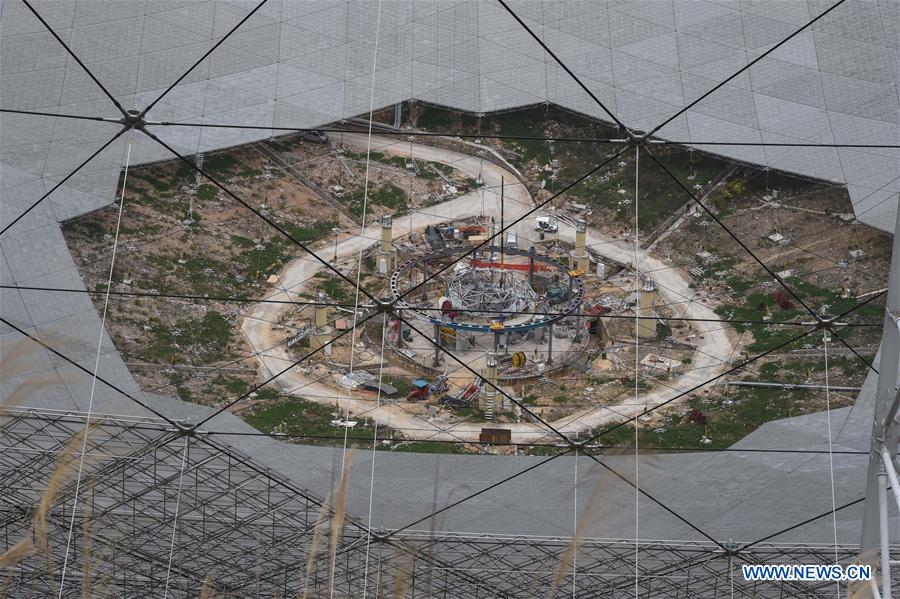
(24, 390)
(585, 522)
(207, 590)
(66, 464)
(313, 548)
(12, 361)
(403, 576)
(337, 523)
(86, 541)
(17, 552)
(863, 589)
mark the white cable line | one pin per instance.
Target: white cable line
(112, 264)
(575, 529)
(831, 456)
(374, 447)
(362, 227)
(175, 519)
(731, 575)
(637, 371)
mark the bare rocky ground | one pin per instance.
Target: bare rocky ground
(178, 238)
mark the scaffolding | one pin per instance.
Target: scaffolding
(159, 506)
(243, 530)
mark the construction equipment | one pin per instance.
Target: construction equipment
(423, 390)
(469, 230)
(464, 398)
(314, 135)
(546, 224)
(434, 238)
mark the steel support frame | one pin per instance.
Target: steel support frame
(250, 531)
(881, 479)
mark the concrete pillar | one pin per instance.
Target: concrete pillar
(550, 343)
(462, 342)
(321, 319)
(387, 234)
(579, 258)
(489, 391)
(386, 253)
(321, 335)
(646, 301)
(437, 344)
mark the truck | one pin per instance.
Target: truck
(546, 224)
(315, 135)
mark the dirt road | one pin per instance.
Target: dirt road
(714, 346)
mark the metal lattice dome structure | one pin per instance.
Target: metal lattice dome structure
(128, 493)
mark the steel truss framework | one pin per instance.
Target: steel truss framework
(251, 531)
(161, 506)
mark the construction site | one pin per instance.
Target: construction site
(548, 321)
(454, 300)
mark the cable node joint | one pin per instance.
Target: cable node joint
(824, 324)
(186, 428)
(636, 139)
(133, 119)
(381, 535)
(731, 548)
(385, 306)
(576, 445)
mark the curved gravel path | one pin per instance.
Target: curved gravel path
(715, 346)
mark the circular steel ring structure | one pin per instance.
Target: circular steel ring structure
(540, 320)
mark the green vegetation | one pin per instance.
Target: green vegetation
(530, 122)
(659, 195)
(176, 379)
(335, 288)
(726, 423)
(206, 338)
(297, 416)
(389, 196)
(386, 195)
(207, 192)
(311, 423)
(441, 120)
(312, 232)
(427, 447)
(85, 228)
(403, 386)
(767, 336)
(232, 385)
(219, 165)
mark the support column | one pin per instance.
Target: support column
(646, 301)
(321, 334)
(579, 259)
(531, 267)
(885, 429)
(321, 311)
(386, 257)
(489, 391)
(437, 344)
(550, 344)
(885, 535)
